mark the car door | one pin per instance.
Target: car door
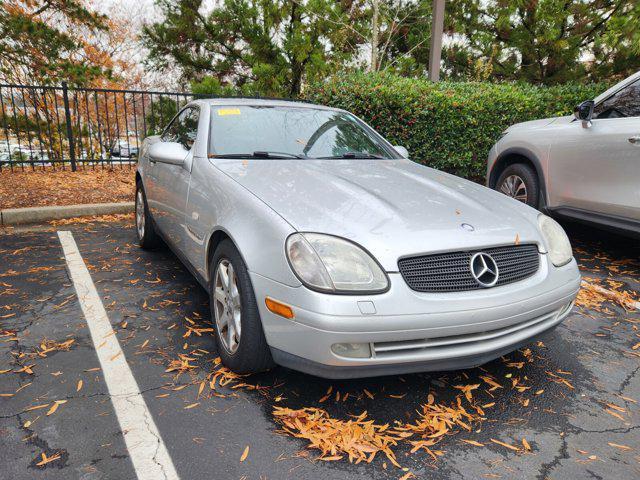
(171, 182)
(596, 167)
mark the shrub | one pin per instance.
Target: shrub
(449, 125)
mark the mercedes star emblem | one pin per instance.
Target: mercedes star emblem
(484, 269)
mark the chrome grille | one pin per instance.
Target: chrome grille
(450, 272)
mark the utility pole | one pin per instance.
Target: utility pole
(437, 29)
(374, 35)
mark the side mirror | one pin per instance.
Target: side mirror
(402, 151)
(167, 152)
(584, 112)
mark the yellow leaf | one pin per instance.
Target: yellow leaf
(79, 386)
(245, 454)
(473, 442)
(511, 447)
(46, 459)
(332, 458)
(614, 414)
(621, 447)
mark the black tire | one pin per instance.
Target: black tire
(252, 353)
(147, 236)
(527, 175)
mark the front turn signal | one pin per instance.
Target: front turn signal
(279, 308)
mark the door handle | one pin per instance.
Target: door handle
(635, 140)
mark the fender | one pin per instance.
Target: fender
(502, 161)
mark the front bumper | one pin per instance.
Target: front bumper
(412, 331)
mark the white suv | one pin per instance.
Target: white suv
(585, 167)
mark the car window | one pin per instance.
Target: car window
(184, 128)
(302, 132)
(625, 103)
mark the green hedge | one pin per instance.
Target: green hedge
(450, 125)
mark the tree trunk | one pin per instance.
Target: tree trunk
(374, 36)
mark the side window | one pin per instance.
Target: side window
(625, 103)
(184, 128)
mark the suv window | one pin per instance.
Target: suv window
(184, 128)
(625, 103)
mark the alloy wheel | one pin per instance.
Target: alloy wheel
(227, 308)
(514, 187)
(140, 220)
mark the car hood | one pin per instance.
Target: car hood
(543, 122)
(393, 208)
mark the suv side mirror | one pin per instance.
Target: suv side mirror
(168, 152)
(584, 112)
(404, 153)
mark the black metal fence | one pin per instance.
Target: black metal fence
(63, 127)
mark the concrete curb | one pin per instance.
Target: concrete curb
(21, 216)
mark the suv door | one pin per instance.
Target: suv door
(596, 168)
(171, 185)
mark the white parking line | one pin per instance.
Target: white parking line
(148, 452)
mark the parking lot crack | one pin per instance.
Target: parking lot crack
(627, 380)
(562, 454)
(151, 431)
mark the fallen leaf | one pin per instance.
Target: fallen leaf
(245, 454)
(621, 447)
(511, 447)
(473, 442)
(407, 475)
(46, 459)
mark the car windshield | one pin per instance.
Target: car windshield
(258, 131)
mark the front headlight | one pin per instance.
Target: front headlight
(558, 245)
(335, 265)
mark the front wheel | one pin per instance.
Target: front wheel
(238, 328)
(520, 181)
(147, 236)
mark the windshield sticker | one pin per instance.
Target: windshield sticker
(228, 111)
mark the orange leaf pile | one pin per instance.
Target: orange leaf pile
(181, 364)
(223, 377)
(358, 438)
(47, 346)
(592, 296)
(361, 439)
(434, 421)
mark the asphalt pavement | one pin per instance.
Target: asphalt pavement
(572, 398)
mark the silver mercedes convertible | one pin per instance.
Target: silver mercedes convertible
(326, 250)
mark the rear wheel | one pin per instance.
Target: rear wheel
(238, 328)
(520, 181)
(147, 236)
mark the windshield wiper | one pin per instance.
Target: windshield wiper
(258, 154)
(354, 155)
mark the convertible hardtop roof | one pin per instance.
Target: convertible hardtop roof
(267, 102)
